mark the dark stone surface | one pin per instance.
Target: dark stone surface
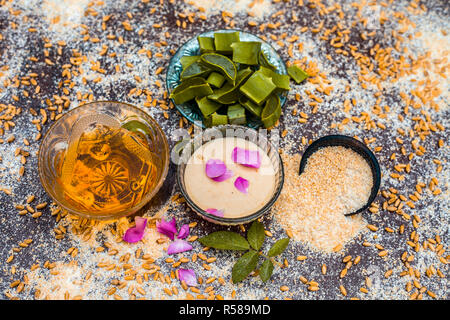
(18, 45)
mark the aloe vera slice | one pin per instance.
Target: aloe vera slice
(216, 119)
(246, 52)
(263, 61)
(280, 80)
(223, 41)
(222, 64)
(236, 114)
(189, 89)
(216, 79)
(250, 106)
(225, 95)
(297, 74)
(271, 112)
(187, 60)
(195, 69)
(206, 106)
(258, 87)
(206, 44)
(229, 93)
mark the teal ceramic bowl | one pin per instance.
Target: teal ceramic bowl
(191, 48)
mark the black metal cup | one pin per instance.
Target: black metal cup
(355, 145)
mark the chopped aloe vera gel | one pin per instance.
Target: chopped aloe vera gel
(189, 89)
(222, 64)
(258, 87)
(223, 41)
(243, 75)
(271, 112)
(187, 60)
(206, 44)
(196, 69)
(246, 52)
(215, 79)
(280, 80)
(264, 62)
(216, 119)
(225, 95)
(207, 106)
(250, 106)
(297, 74)
(230, 94)
(233, 81)
(236, 114)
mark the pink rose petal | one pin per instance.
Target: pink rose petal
(241, 184)
(215, 168)
(184, 231)
(135, 234)
(168, 228)
(178, 246)
(227, 175)
(248, 158)
(215, 212)
(188, 276)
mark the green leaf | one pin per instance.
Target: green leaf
(266, 270)
(278, 247)
(256, 235)
(225, 240)
(244, 265)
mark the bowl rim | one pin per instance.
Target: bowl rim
(355, 145)
(123, 213)
(224, 31)
(239, 220)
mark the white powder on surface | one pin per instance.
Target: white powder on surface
(257, 8)
(64, 13)
(335, 181)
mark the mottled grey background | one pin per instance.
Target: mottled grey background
(17, 44)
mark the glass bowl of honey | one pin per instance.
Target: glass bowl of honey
(103, 160)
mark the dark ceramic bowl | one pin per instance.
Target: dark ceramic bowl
(358, 147)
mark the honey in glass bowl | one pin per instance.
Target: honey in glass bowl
(103, 160)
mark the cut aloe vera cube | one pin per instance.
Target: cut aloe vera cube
(280, 80)
(189, 89)
(188, 60)
(215, 79)
(297, 74)
(206, 44)
(221, 64)
(195, 69)
(216, 119)
(206, 106)
(258, 87)
(223, 41)
(263, 61)
(246, 52)
(236, 114)
(250, 106)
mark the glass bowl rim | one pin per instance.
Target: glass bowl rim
(238, 220)
(122, 213)
(358, 147)
(172, 59)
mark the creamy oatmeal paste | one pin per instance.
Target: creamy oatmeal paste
(224, 195)
(336, 181)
